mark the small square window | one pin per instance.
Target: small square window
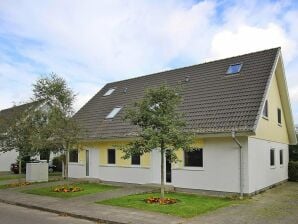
(109, 92)
(233, 69)
(113, 113)
(279, 116)
(135, 159)
(111, 156)
(193, 158)
(272, 157)
(281, 157)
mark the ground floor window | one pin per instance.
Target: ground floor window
(193, 158)
(281, 157)
(272, 157)
(135, 159)
(73, 156)
(111, 156)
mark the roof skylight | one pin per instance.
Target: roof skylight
(113, 113)
(109, 92)
(235, 68)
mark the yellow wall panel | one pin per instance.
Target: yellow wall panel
(269, 129)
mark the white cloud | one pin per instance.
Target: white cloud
(248, 39)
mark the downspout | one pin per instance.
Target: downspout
(240, 163)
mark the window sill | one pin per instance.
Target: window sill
(129, 166)
(279, 124)
(272, 167)
(265, 118)
(281, 166)
(190, 168)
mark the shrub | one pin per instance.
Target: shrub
(293, 170)
(57, 161)
(293, 151)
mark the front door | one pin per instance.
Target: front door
(93, 162)
(168, 169)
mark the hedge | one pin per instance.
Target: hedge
(293, 170)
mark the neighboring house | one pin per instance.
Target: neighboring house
(7, 117)
(246, 95)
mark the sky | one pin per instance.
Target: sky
(91, 43)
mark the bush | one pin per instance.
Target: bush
(293, 150)
(57, 161)
(293, 170)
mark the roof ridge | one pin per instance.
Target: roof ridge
(189, 66)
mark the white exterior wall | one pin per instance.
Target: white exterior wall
(221, 167)
(76, 170)
(136, 175)
(6, 159)
(261, 174)
(220, 172)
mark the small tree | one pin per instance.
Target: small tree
(159, 125)
(18, 137)
(59, 131)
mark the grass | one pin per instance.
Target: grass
(12, 176)
(188, 205)
(88, 188)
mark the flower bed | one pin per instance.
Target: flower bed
(67, 189)
(20, 184)
(161, 201)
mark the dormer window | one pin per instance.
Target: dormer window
(234, 69)
(113, 113)
(109, 92)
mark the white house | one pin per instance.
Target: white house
(238, 108)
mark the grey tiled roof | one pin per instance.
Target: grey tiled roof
(213, 102)
(8, 116)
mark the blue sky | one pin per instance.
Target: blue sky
(91, 43)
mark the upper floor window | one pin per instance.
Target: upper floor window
(109, 92)
(279, 116)
(233, 69)
(265, 109)
(135, 159)
(193, 158)
(114, 112)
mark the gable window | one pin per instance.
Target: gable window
(73, 156)
(265, 109)
(193, 158)
(233, 69)
(109, 92)
(113, 113)
(279, 116)
(111, 156)
(281, 157)
(135, 159)
(272, 157)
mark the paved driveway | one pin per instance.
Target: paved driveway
(278, 205)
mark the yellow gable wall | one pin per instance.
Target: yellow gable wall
(103, 153)
(269, 129)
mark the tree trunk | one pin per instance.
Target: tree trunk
(162, 178)
(66, 164)
(20, 168)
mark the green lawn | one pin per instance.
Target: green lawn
(11, 176)
(188, 205)
(89, 188)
